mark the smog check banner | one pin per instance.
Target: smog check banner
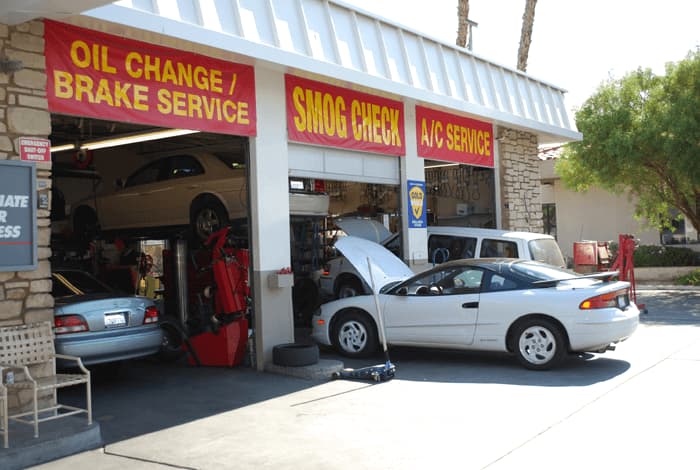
(452, 138)
(109, 77)
(322, 114)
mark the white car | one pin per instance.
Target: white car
(536, 311)
(339, 279)
(198, 189)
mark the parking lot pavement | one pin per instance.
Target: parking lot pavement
(627, 408)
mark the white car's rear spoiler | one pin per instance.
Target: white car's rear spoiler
(606, 276)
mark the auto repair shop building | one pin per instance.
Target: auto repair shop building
(319, 89)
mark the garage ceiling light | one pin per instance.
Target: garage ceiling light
(124, 140)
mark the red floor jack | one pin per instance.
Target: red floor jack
(624, 263)
(379, 372)
(225, 344)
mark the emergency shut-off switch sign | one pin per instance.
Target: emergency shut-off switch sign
(18, 251)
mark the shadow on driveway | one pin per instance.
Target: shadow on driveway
(429, 365)
(147, 395)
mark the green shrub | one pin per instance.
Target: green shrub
(649, 255)
(658, 256)
(690, 279)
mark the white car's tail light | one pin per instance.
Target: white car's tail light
(150, 315)
(616, 299)
(69, 324)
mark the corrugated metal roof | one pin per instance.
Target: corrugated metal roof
(333, 39)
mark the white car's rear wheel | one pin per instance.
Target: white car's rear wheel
(355, 335)
(539, 344)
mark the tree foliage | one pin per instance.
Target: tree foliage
(641, 134)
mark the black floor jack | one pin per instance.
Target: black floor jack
(379, 372)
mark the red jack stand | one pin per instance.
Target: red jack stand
(624, 263)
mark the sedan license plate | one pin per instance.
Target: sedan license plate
(115, 320)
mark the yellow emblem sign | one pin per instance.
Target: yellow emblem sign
(417, 197)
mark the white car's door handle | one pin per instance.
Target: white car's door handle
(470, 305)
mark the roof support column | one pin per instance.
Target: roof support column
(269, 211)
(415, 239)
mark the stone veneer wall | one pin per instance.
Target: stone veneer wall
(25, 296)
(519, 175)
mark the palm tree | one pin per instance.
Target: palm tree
(463, 29)
(526, 34)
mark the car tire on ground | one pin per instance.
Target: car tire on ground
(539, 344)
(295, 354)
(355, 335)
(207, 216)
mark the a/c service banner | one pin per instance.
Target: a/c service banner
(453, 138)
(322, 114)
(109, 77)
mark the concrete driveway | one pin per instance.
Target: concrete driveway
(636, 407)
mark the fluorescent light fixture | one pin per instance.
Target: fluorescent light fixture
(124, 140)
(442, 165)
(62, 148)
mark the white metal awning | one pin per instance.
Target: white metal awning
(333, 39)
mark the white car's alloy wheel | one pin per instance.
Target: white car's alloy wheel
(352, 336)
(537, 345)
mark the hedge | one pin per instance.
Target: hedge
(646, 256)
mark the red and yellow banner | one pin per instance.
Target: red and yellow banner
(114, 78)
(448, 137)
(327, 115)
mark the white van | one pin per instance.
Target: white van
(449, 243)
(340, 279)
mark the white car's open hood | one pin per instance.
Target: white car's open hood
(369, 229)
(386, 267)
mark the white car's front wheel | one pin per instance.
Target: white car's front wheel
(539, 344)
(355, 335)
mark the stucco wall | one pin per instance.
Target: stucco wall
(594, 215)
(519, 175)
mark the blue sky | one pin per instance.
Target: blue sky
(575, 44)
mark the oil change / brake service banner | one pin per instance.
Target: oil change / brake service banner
(98, 75)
